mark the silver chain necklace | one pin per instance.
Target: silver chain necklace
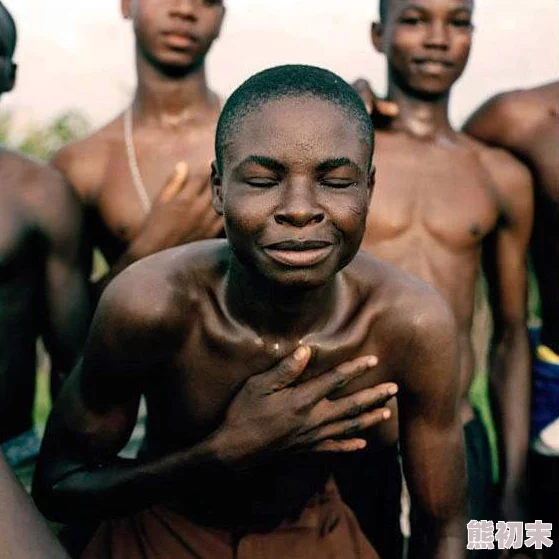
(133, 162)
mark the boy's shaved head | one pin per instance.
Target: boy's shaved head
(289, 81)
(8, 31)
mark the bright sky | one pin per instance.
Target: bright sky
(76, 54)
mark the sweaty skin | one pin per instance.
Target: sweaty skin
(196, 323)
(43, 288)
(174, 116)
(441, 197)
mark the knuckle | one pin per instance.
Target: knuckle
(354, 426)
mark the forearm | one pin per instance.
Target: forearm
(92, 492)
(510, 398)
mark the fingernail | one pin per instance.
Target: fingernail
(372, 361)
(393, 390)
(386, 414)
(180, 167)
(301, 352)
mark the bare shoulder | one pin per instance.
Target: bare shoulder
(84, 162)
(41, 188)
(507, 118)
(411, 309)
(510, 178)
(161, 291)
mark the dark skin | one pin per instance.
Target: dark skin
(19, 519)
(442, 198)
(174, 117)
(43, 287)
(285, 182)
(527, 124)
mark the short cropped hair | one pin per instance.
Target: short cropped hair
(283, 82)
(7, 16)
(383, 9)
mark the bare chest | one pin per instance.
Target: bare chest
(217, 359)
(142, 171)
(435, 195)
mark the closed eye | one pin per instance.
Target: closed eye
(261, 182)
(338, 183)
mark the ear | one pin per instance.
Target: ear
(126, 8)
(371, 182)
(12, 76)
(222, 17)
(217, 190)
(377, 36)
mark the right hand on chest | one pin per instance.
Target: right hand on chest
(272, 413)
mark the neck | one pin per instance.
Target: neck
(168, 101)
(423, 117)
(273, 310)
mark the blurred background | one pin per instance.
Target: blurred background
(77, 66)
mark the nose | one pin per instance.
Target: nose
(185, 9)
(299, 207)
(437, 36)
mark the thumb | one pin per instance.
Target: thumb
(388, 108)
(175, 183)
(287, 371)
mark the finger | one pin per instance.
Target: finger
(176, 183)
(348, 445)
(347, 428)
(387, 108)
(287, 371)
(359, 402)
(323, 385)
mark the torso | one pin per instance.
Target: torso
(21, 259)
(537, 144)
(433, 205)
(209, 369)
(98, 168)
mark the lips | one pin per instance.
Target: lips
(299, 254)
(433, 65)
(180, 38)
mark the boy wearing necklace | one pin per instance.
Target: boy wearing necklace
(188, 326)
(144, 177)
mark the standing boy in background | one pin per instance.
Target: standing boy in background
(441, 198)
(527, 124)
(120, 172)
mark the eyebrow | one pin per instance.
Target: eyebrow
(267, 162)
(331, 164)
